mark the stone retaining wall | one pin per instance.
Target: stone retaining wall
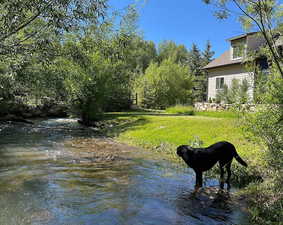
(204, 106)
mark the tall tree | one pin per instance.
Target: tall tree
(196, 64)
(207, 53)
(207, 57)
(169, 49)
(165, 84)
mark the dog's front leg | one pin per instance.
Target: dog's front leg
(198, 180)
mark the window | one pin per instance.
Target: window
(238, 49)
(219, 83)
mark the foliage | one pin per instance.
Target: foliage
(169, 49)
(196, 64)
(25, 23)
(91, 70)
(180, 109)
(266, 201)
(265, 15)
(30, 40)
(267, 123)
(197, 61)
(207, 54)
(238, 93)
(266, 126)
(165, 85)
(96, 80)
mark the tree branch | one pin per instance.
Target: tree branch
(23, 25)
(20, 27)
(261, 26)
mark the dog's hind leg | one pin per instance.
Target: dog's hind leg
(228, 168)
(221, 175)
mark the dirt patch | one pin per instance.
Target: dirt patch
(84, 150)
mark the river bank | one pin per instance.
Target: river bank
(23, 112)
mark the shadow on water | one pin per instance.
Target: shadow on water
(58, 173)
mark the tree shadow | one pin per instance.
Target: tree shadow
(115, 124)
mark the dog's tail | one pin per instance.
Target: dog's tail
(240, 160)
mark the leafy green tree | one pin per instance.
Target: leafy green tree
(165, 85)
(30, 36)
(25, 20)
(169, 49)
(141, 54)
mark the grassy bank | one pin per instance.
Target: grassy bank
(164, 132)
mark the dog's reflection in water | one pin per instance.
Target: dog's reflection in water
(207, 204)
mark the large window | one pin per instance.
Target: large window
(238, 49)
(219, 83)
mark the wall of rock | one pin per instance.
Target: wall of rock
(205, 106)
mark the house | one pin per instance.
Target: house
(232, 64)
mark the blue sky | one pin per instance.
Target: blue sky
(184, 22)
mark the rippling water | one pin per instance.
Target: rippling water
(56, 172)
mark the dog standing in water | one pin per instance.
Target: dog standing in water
(203, 159)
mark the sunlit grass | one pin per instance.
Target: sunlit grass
(223, 114)
(165, 133)
(180, 109)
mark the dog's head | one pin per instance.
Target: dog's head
(182, 149)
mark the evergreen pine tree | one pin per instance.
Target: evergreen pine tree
(195, 63)
(207, 58)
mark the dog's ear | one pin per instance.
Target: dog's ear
(181, 150)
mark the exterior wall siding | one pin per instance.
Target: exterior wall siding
(229, 73)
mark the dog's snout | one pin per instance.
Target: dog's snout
(179, 151)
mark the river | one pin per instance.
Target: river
(56, 172)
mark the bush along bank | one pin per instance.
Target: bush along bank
(20, 112)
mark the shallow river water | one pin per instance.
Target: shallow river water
(56, 172)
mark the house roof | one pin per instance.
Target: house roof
(240, 36)
(253, 41)
(223, 60)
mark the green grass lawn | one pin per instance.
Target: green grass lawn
(165, 132)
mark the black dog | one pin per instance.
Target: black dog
(203, 159)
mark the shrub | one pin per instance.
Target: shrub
(266, 126)
(237, 93)
(164, 85)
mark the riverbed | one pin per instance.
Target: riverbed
(57, 172)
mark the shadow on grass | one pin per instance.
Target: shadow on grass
(114, 124)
